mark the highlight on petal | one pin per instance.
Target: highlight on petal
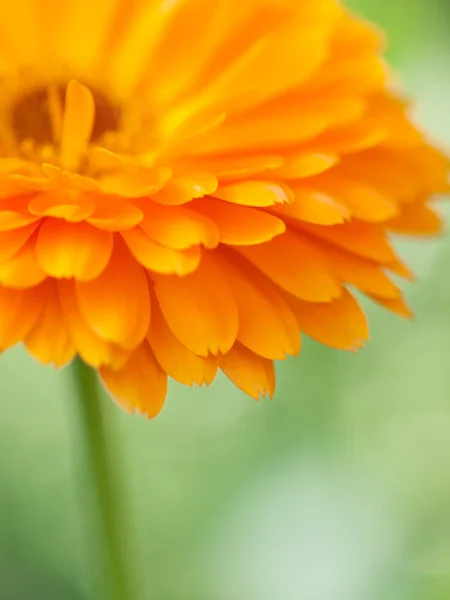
(254, 193)
(65, 250)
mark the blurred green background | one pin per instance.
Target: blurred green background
(337, 490)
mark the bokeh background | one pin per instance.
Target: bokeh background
(339, 489)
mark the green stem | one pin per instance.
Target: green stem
(107, 552)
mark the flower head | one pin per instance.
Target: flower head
(189, 185)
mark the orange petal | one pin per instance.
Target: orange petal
(141, 385)
(14, 212)
(339, 324)
(364, 239)
(400, 268)
(313, 206)
(70, 180)
(254, 193)
(78, 121)
(200, 308)
(136, 183)
(178, 227)
(116, 305)
(113, 213)
(70, 205)
(230, 168)
(22, 271)
(176, 360)
(266, 324)
(364, 274)
(239, 225)
(158, 258)
(294, 264)
(19, 311)
(304, 164)
(395, 305)
(366, 203)
(182, 188)
(12, 241)
(251, 373)
(49, 339)
(66, 250)
(267, 133)
(92, 348)
(416, 219)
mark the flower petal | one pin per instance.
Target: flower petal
(200, 308)
(65, 250)
(12, 241)
(364, 274)
(416, 219)
(135, 183)
(239, 225)
(266, 324)
(313, 206)
(49, 339)
(116, 305)
(78, 121)
(14, 212)
(19, 311)
(364, 239)
(140, 385)
(114, 213)
(251, 373)
(254, 193)
(183, 187)
(178, 227)
(70, 205)
(340, 324)
(94, 350)
(296, 265)
(158, 258)
(176, 360)
(22, 271)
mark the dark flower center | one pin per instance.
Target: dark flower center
(33, 116)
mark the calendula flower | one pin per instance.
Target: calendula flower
(189, 185)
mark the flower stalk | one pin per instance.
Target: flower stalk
(101, 491)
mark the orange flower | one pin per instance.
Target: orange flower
(187, 186)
